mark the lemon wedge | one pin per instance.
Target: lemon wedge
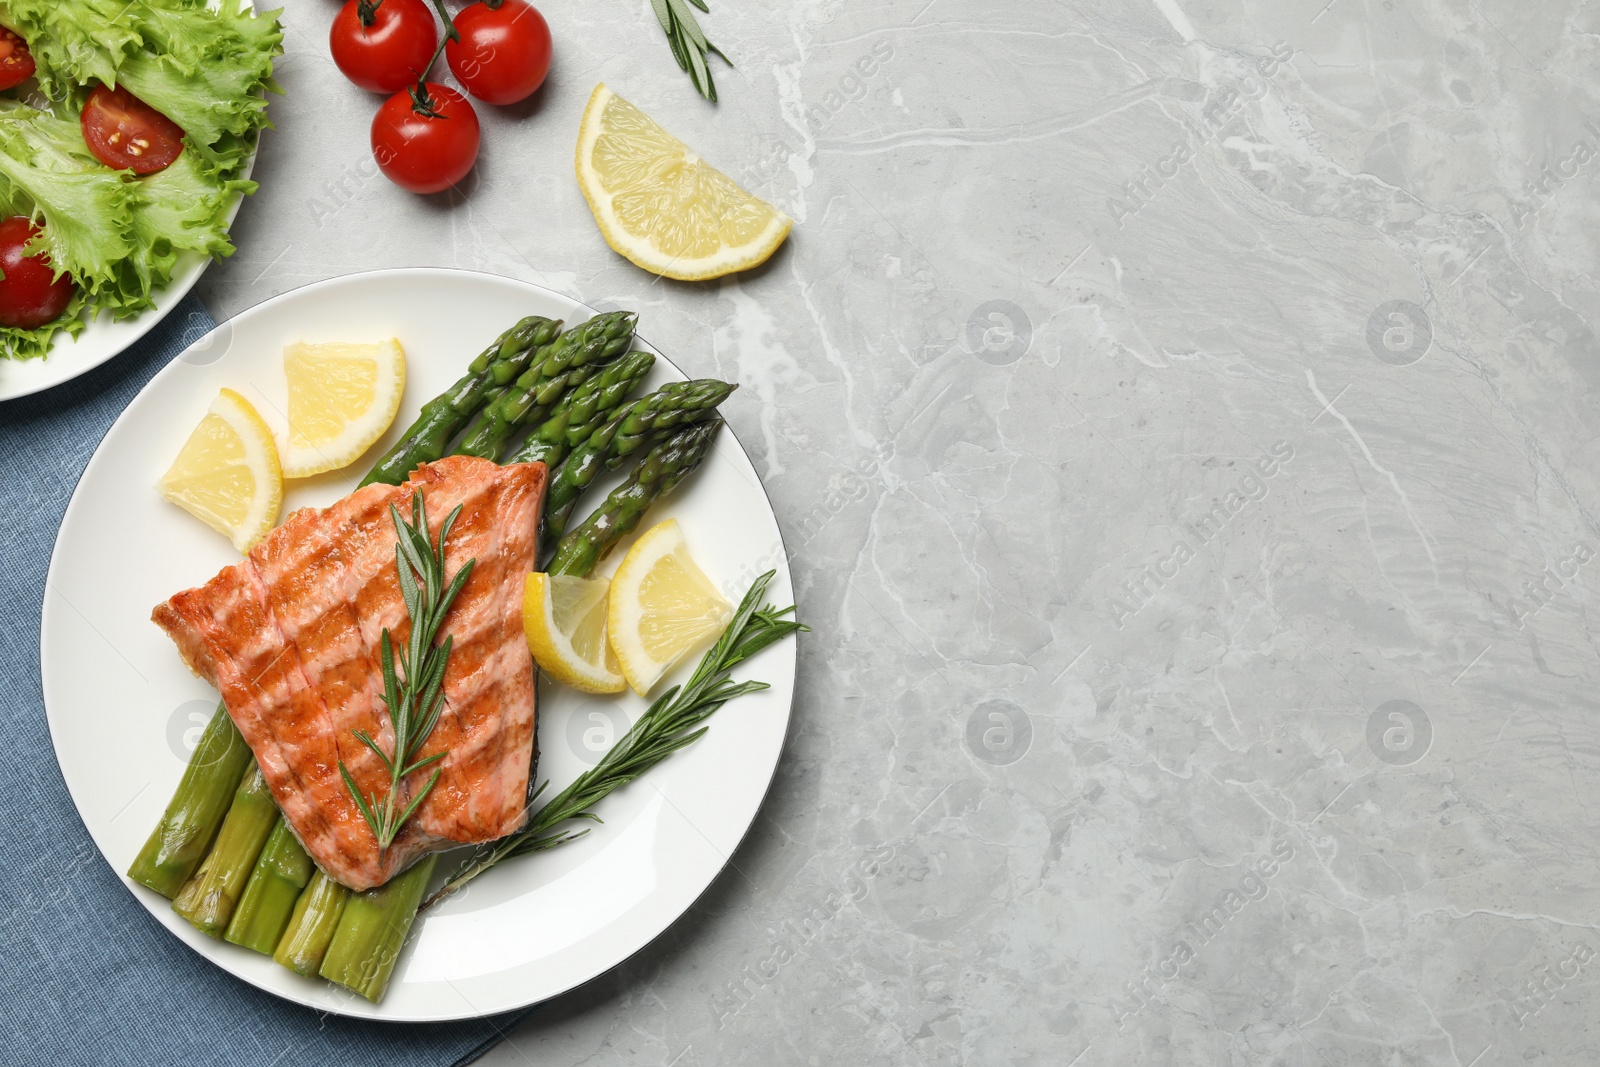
(227, 474)
(564, 619)
(662, 606)
(342, 397)
(662, 206)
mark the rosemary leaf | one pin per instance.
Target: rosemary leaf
(688, 42)
(414, 700)
(690, 26)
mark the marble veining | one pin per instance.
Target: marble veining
(1181, 417)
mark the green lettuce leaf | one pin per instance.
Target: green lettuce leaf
(222, 100)
(120, 237)
(13, 201)
(181, 209)
(207, 70)
(195, 37)
(86, 208)
(73, 41)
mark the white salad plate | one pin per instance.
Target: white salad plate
(104, 338)
(124, 711)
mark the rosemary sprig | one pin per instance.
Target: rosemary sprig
(413, 701)
(689, 44)
(670, 723)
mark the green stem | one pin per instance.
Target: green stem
(450, 31)
(421, 102)
(373, 930)
(316, 916)
(208, 898)
(269, 897)
(193, 816)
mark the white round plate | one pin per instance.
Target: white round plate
(123, 710)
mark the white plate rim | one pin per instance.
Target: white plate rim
(355, 1007)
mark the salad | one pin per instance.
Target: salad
(125, 131)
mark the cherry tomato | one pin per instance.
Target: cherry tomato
(16, 62)
(426, 147)
(383, 46)
(30, 294)
(504, 51)
(125, 133)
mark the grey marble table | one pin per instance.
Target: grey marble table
(1182, 418)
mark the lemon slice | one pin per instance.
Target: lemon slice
(342, 397)
(662, 606)
(661, 205)
(565, 621)
(227, 473)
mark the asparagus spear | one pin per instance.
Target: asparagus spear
(556, 367)
(582, 411)
(367, 957)
(207, 899)
(373, 929)
(662, 468)
(636, 426)
(316, 915)
(195, 812)
(269, 897)
(497, 367)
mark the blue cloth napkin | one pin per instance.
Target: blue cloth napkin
(89, 976)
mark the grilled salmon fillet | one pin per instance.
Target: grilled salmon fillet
(290, 637)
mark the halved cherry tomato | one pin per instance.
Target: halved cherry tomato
(426, 146)
(125, 133)
(504, 51)
(383, 46)
(16, 62)
(30, 294)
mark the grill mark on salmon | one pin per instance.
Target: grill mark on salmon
(291, 635)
